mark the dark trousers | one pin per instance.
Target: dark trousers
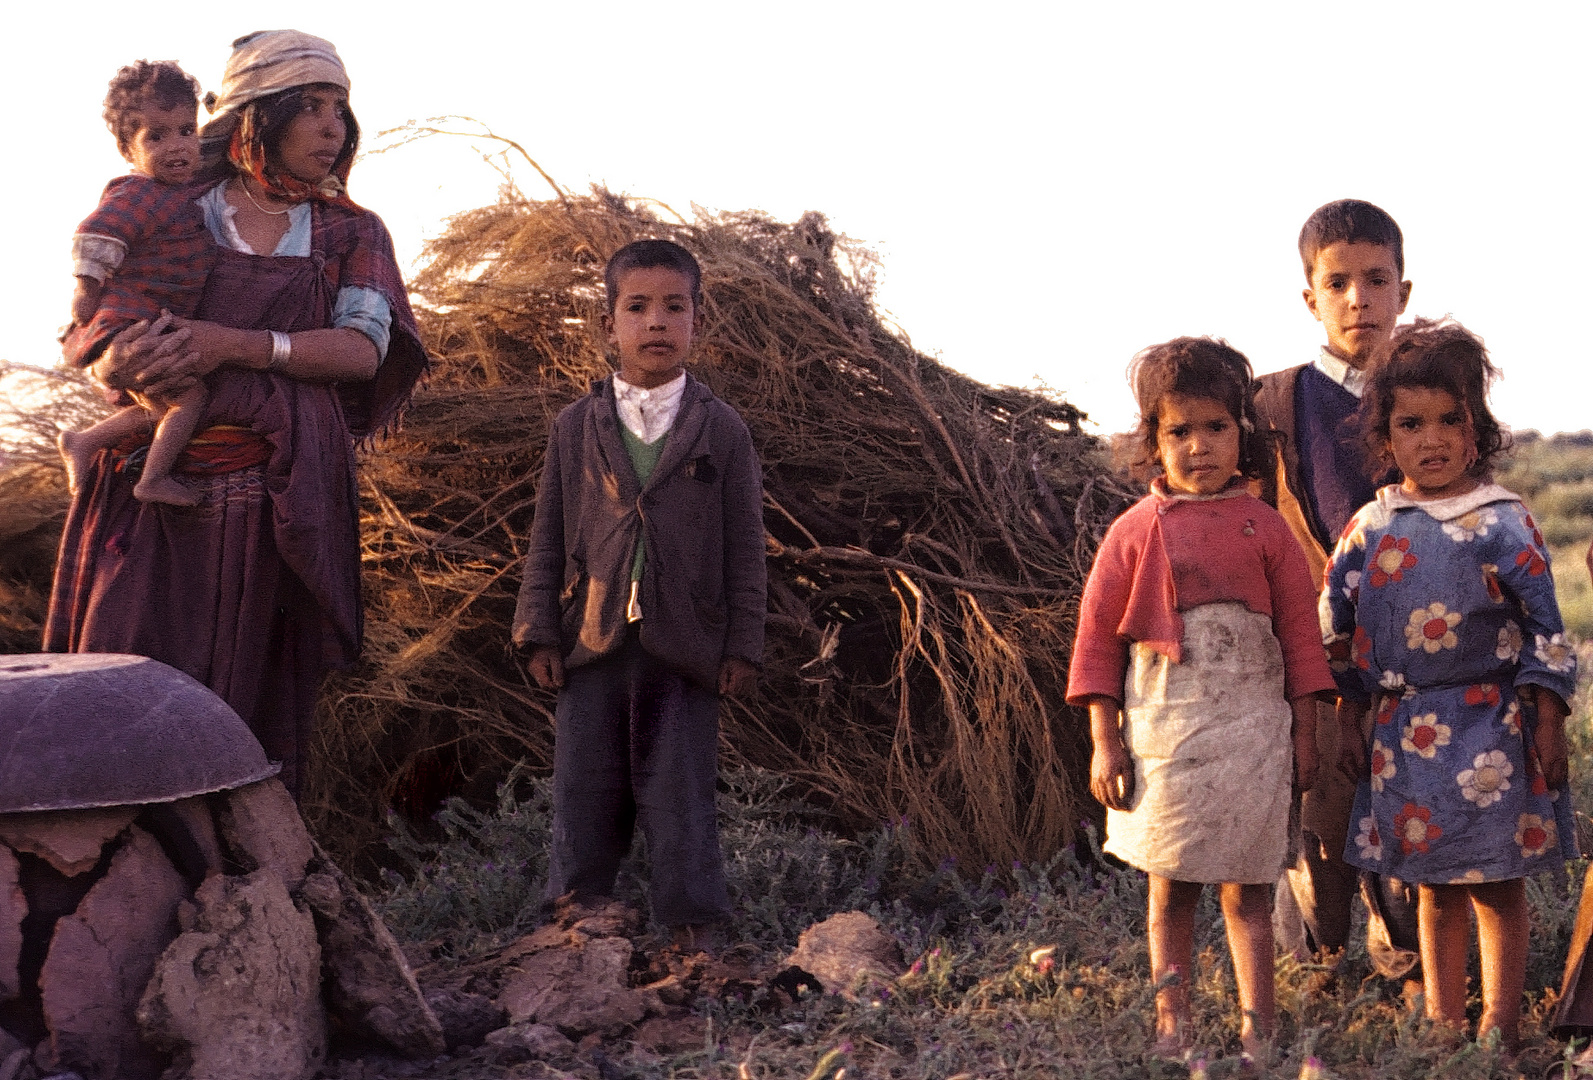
(636, 743)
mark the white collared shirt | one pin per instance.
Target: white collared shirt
(647, 414)
(1352, 379)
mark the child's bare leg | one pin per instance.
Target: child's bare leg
(1172, 946)
(171, 435)
(79, 447)
(1501, 908)
(1443, 921)
(1247, 912)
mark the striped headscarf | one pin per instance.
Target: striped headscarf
(264, 64)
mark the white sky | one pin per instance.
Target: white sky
(1051, 187)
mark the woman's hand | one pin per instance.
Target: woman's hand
(148, 356)
(1111, 769)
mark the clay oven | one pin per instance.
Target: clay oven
(162, 907)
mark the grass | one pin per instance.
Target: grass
(978, 999)
(1554, 477)
(975, 1003)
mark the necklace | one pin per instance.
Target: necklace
(244, 184)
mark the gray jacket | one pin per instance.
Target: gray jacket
(704, 583)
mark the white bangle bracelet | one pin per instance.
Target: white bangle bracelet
(281, 350)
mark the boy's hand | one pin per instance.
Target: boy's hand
(1307, 762)
(1549, 738)
(1352, 740)
(546, 667)
(737, 678)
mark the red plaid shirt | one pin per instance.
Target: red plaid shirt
(169, 251)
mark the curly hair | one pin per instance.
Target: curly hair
(1433, 354)
(1200, 367)
(139, 85)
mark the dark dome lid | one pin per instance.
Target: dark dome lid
(104, 729)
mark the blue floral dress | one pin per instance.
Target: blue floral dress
(1438, 611)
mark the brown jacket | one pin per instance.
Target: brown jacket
(704, 583)
(1280, 485)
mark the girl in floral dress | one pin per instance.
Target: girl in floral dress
(1440, 613)
(1198, 656)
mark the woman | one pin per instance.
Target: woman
(306, 325)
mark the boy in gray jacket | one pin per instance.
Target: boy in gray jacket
(643, 599)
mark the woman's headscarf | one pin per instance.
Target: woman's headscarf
(263, 64)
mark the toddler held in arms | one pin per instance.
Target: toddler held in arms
(1199, 658)
(145, 252)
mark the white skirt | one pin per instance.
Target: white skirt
(1213, 760)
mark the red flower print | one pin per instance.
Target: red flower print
(1535, 834)
(1532, 561)
(1530, 523)
(1490, 580)
(1482, 694)
(1414, 826)
(1363, 649)
(1390, 561)
(1385, 711)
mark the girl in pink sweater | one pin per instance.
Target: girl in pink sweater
(1198, 655)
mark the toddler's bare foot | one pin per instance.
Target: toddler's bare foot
(76, 455)
(165, 489)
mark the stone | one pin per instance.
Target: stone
(369, 984)
(578, 989)
(15, 1060)
(100, 958)
(466, 1019)
(13, 909)
(845, 950)
(240, 994)
(189, 828)
(525, 1042)
(69, 840)
(262, 828)
(672, 1034)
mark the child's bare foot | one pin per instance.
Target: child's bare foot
(164, 489)
(76, 455)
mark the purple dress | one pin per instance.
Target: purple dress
(255, 592)
(1439, 611)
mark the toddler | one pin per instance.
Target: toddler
(1199, 658)
(1440, 611)
(144, 251)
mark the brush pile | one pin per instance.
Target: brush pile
(927, 537)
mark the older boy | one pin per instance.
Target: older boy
(1354, 260)
(644, 598)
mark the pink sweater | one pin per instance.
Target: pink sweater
(1171, 553)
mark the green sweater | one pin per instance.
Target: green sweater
(644, 458)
